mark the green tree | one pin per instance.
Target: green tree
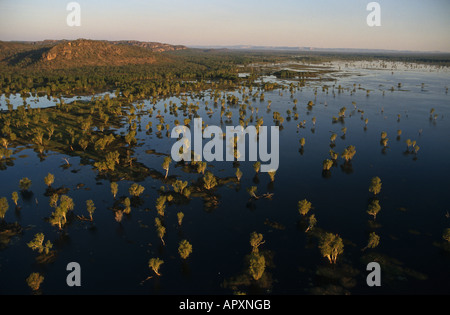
(49, 179)
(302, 142)
(312, 222)
(374, 208)
(37, 244)
(166, 165)
(59, 216)
(155, 264)
(209, 180)
(257, 265)
(375, 185)
(252, 191)
(54, 200)
(25, 183)
(304, 206)
(180, 216)
(348, 153)
(257, 166)
(34, 281)
(160, 229)
(238, 174)
(15, 197)
(114, 189)
(161, 205)
(184, 249)
(374, 241)
(179, 186)
(331, 246)
(334, 155)
(201, 167)
(327, 164)
(90, 208)
(256, 240)
(4, 206)
(136, 190)
(272, 175)
(333, 137)
(127, 205)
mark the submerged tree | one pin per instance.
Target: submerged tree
(238, 174)
(312, 222)
(179, 186)
(4, 206)
(114, 189)
(35, 280)
(161, 205)
(272, 175)
(15, 197)
(374, 208)
(256, 240)
(155, 264)
(118, 215)
(331, 246)
(127, 205)
(327, 164)
(333, 138)
(180, 216)
(201, 167)
(136, 190)
(304, 206)
(375, 185)
(160, 230)
(257, 265)
(302, 142)
(334, 155)
(252, 191)
(25, 183)
(374, 240)
(348, 153)
(37, 244)
(257, 166)
(166, 165)
(90, 208)
(49, 179)
(209, 180)
(184, 249)
(59, 216)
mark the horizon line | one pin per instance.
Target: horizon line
(248, 46)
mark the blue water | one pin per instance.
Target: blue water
(414, 200)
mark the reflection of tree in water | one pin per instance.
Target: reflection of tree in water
(245, 282)
(8, 231)
(393, 270)
(335, 279)
(347, 168)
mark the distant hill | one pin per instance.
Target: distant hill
(61, 54)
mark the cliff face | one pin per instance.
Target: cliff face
(81, 52)
(153, 46)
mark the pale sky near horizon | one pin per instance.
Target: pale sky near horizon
(405, 24)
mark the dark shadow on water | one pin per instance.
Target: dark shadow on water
(26, 195)
(347, 168)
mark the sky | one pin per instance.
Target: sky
(416, 25)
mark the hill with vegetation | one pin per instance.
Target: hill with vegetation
(64, 54)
